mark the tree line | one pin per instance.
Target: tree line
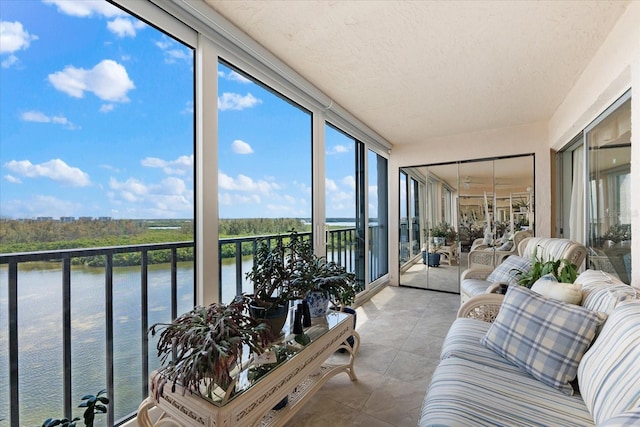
(49, 235)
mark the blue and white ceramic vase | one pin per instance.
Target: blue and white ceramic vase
(318, 304)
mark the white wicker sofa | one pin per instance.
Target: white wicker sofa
(476, 281)
(475, 386)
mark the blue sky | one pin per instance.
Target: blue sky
(96, 119)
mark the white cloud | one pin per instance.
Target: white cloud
(180, 166)
(341, 196)
(12, 179)
(330, 185)
(233, 76)
(227, 199)
(54, 169)
(11, 60)
(245, 183)
(349, 182)
(35, 116)
(169, 198)
(131, 190)
(125, 27)
(39, 117)
(86, 8)
(106, 108)
(338, 149)
(235, 101)
(188, 108)
(13, 37)
(173, 52)
(41, 205)
(108, 80)
(240, 147)
(237, 77)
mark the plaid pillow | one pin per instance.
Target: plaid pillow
(508, 270)
(545, 338)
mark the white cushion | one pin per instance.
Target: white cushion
(548, 286)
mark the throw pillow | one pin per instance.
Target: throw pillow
(544, 337)
(608, 374)
(509, 269)
(548, 286)
(506, 246)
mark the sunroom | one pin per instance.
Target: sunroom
(378, 122)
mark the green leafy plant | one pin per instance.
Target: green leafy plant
(290, 270)
(444, 229)
(201, 346)
(316, 274)
(274, 269)
(95, 405)
(562, 269)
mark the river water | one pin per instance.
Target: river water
(40, 334)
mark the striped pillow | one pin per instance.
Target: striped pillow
(609, 372)
(507, 272)
(544, 337)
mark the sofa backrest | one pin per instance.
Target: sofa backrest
(547, 248)
(609, 371)
(603, 292)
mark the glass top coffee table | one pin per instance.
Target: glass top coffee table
(251, 399)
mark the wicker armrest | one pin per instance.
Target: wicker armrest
(483, 307)
(476, 273)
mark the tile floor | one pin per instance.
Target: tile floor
(401, 331)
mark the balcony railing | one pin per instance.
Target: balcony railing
(341, 249)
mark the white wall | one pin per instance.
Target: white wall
(526, 139)
(614, 69)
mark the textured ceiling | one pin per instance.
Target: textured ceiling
(412, 70)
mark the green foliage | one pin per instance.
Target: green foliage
(562, 269)
(50, 231)
(275, 267)
(444, 229)
(94, 404)
(258, 226)
(618, 233)
(201, 346)
(281, 352)
(290, 269)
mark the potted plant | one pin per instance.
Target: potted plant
(319, 281)
(202, 347)
(330, 282)
(272, 273)
(443, 234)
(562, 269)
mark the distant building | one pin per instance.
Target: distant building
(44, 218)
(67, 218)
(104, 218)
(85, 218)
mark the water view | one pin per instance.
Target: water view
(40, 333)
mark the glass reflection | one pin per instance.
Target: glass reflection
(460, 208)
